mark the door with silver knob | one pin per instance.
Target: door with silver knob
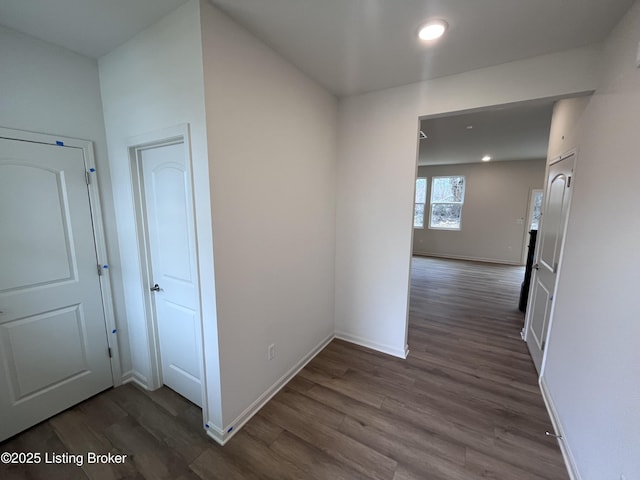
(53, 343)
(170, 226)
(555, 213)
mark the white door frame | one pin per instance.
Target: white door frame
(164, 137)
(102, 265)
(545, 194)
(529, 219)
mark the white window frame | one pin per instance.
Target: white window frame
(461, 203)
(415, 203)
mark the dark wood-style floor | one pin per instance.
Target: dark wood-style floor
(465, 405)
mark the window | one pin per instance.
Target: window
(421, 199)
(537, 209)
(447, 198)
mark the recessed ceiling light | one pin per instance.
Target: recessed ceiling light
(469, 127)
(486, 158)
(432, 30)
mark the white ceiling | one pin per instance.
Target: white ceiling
(349, 46)
(518, 132)
(354, 46)
(89, 27)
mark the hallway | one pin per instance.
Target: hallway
(464, 336)
(465, 405)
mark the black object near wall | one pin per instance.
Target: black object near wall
(524, 291)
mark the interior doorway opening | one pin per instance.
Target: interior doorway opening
(478, 181)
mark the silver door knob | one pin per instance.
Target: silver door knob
(155, 288)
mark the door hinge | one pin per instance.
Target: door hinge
(100, 271)
(110, 354)
(522, 334)
(87, 177)
(569, 182)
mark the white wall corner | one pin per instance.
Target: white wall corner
(132, 376)
(396, 351)
(567, 455)
(216, 433)
(223, 435)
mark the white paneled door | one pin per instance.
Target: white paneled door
(174, 280)
(555, 213)
(53, 344)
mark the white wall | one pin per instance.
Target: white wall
(377, 153)
(272, 155)
(592, 370)
(497, 196)
(51, 90)
(567, 115)
(264, 166)
(152, 82)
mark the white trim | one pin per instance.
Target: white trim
(223, 436)
(529, 219)
(380, 347)
(569, 460)
(424, 210)
(446, 229)
(464, 257)
(155, 380)
(164, 135)
(105, 278)
(97, 222)
(167, 136)
(527, 318)
(137, 378)
(565, 228)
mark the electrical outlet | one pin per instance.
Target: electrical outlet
(271, 351)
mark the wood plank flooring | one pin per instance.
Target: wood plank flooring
(464, 406)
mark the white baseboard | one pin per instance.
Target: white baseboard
(380, 347)
(223, 436)
(569, 461)
(464, 257)
(135, 377)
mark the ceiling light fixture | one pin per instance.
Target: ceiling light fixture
(432, 30)
(486, 158)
